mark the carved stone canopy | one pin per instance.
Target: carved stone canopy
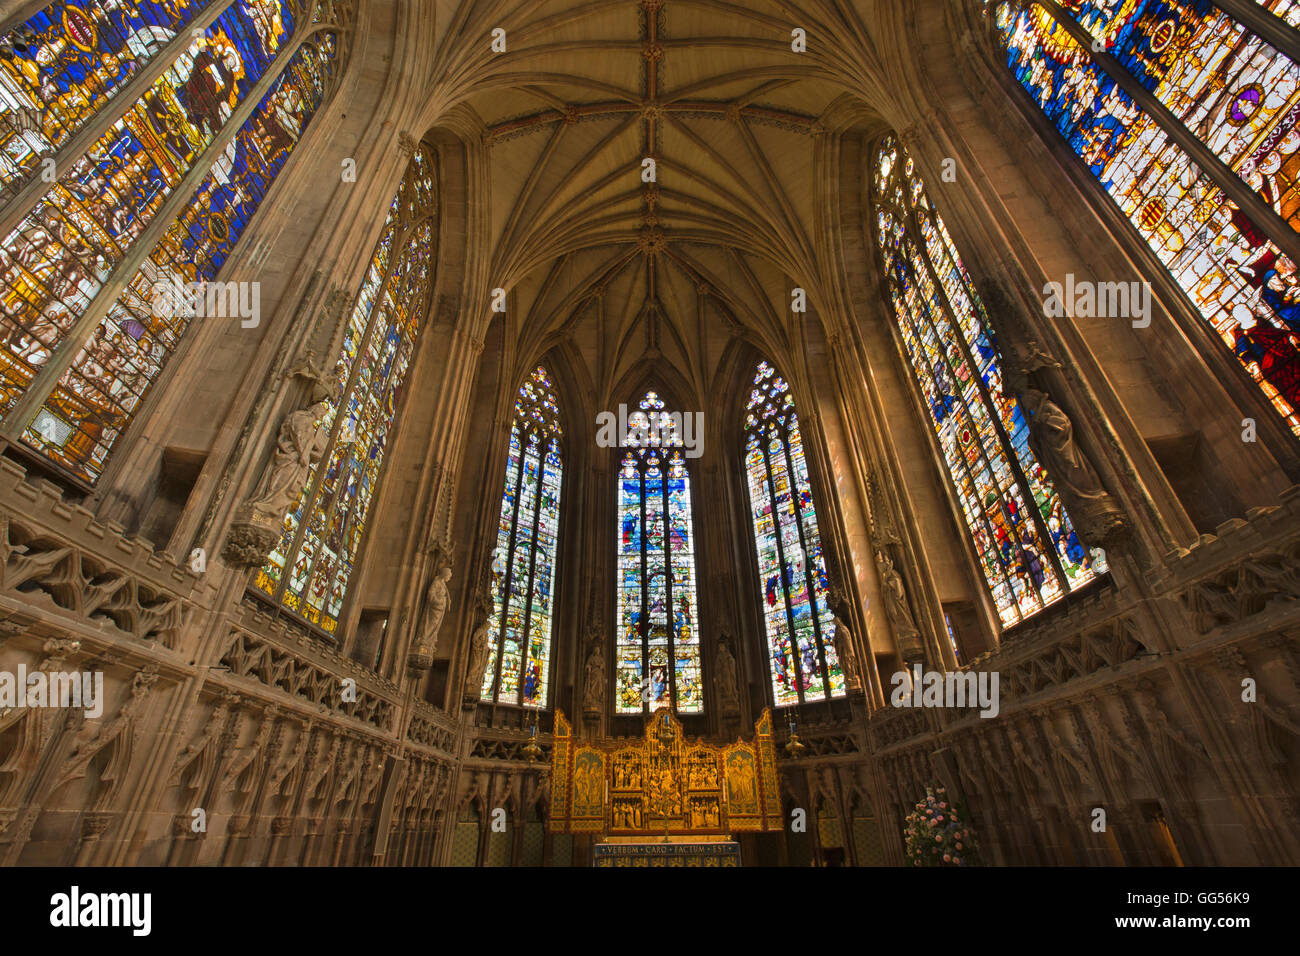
(322, 385)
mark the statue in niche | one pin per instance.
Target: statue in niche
(593, 680)
(321, 383)
(1051, 435)
(477, 665)
(1097, 517)
(844, 641)
(897, 611)
(480, 645)
(728, 692)
(300, 444)
(436, 601)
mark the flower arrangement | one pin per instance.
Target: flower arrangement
(938, 834)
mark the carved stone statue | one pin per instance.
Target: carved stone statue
(728, 693)
(300, 444)
(593, 683)
(258, 523)
(478, 655)
(1097, 518)
(426, 643)
(897, 611)
(479, 643)
(844, 642)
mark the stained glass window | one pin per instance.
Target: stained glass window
(658, 648)
(63, 64)
(523, 566)
(1237, 95)
(322, 533)
(791, 566)
(80, 315)
(1288, 10)
(1028, 550)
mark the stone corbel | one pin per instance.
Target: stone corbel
(910, 136)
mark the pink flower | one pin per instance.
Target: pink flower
(959, 844)
(940, 819)
(947, 858)
(943, 806)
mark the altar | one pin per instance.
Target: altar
(663, 800)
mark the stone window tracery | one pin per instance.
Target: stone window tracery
(799, 622)
(523, 564)
(1026, 544)
(323, 531)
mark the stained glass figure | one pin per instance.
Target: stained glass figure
(791, 566)
(657, 652)
(1237, 95)
(310, 569)
(1026, 544)
(196, 132)
(523, 565)
(62, 65)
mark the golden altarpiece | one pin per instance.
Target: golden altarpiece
(664, 800)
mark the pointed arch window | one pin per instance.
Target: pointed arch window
(1027, 546)
(156, 202)
(800, 624)
(322, 533)
(1214, 79)
(523, 566)
(658, 649)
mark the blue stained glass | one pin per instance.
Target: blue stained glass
(800, 625)
(1236, 93)
(322, 535)
(519, 640)
(62, 65)
(58, 258)
(982, 432)
(112, 372)
(1241, 100)
(657, 656)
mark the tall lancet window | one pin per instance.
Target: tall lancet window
(658, 652)
(1214, 79)
(1026, 544)
(791, 566)
(104, 267)
(322, 532)
(523, 566)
